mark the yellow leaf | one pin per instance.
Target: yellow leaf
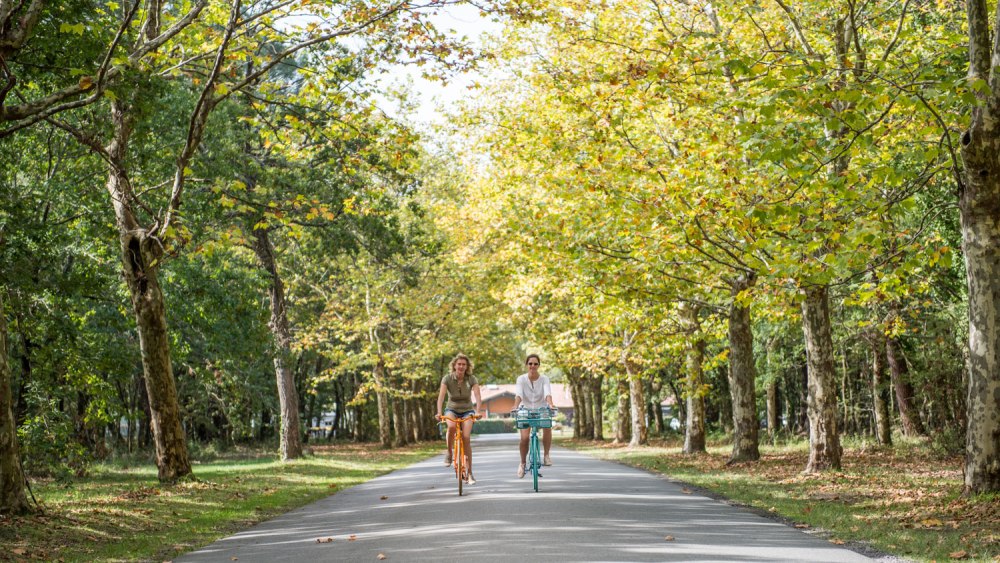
(86, 83)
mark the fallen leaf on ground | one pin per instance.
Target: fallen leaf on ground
(234, 558)
(837, 541)
(383, 497)
(324, 540)
(352, 537)
(802, 526)
(959, 554)
(686, 491)
(382, 556)
(19, 551)
(668, 538)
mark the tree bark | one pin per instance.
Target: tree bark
(623, 426)
(382, 399)
(578, 388)
(979, 206)
(824, 440)
(399, 422)
(12, 497)
(288, 398)
(141, 254)
(742, 376)
(883, 423)
(576, 395)
(694, 428)
(637, 400)
(773, 416)
(909, 417)
(596, 404)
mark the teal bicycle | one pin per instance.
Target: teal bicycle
(534, 419)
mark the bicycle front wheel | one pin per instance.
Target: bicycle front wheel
(535, 460)
(459, 455)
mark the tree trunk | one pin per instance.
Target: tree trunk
(883, 423)
(824, 440)
(694, 428)
(979, 204)
(637, 401)
(416, 411)
(382, 399)
(657, 405)
(597, 405)
(399, 422)
(12, 497)
(288, 398)
(578, 402)
(909, 418)
(742, 376)
(587, 423)
(773, 416)
(578, 388)
(622, 424)
(141, 254)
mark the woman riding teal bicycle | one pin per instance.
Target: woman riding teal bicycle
(533, 391)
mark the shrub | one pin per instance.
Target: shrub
(48, 446)
(494, 426)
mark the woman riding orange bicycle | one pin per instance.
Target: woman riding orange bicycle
(460, 386)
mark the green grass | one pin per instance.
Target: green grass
(903, 501)
(123, 514)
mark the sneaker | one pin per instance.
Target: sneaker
(447, 459)
(547, 461)
(471, 480)
(520, 471)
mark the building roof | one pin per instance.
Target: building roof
(560, 393)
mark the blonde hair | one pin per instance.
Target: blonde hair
(460, 356)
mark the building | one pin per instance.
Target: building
(498, 399)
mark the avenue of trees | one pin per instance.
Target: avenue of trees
(781, 215)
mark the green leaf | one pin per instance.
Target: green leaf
(71, 28)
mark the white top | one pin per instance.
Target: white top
(533, 393)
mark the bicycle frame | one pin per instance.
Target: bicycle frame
(458, 449)
(534, 419)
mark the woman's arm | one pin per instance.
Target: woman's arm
(441, 394)
(479, 399)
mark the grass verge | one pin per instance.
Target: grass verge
(124, 514)
(902, 500)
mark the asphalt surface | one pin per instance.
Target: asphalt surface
(585, 510)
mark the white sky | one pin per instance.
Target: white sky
(431, 96)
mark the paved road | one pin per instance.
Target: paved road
(585, 510)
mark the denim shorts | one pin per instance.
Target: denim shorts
(459, 414)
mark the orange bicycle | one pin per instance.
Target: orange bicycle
(462, 472)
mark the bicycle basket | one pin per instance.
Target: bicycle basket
(538, 418)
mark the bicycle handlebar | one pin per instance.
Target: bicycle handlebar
(533, 413)
(443, 418)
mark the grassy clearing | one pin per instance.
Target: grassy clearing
(123, 514)
(901, 500)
